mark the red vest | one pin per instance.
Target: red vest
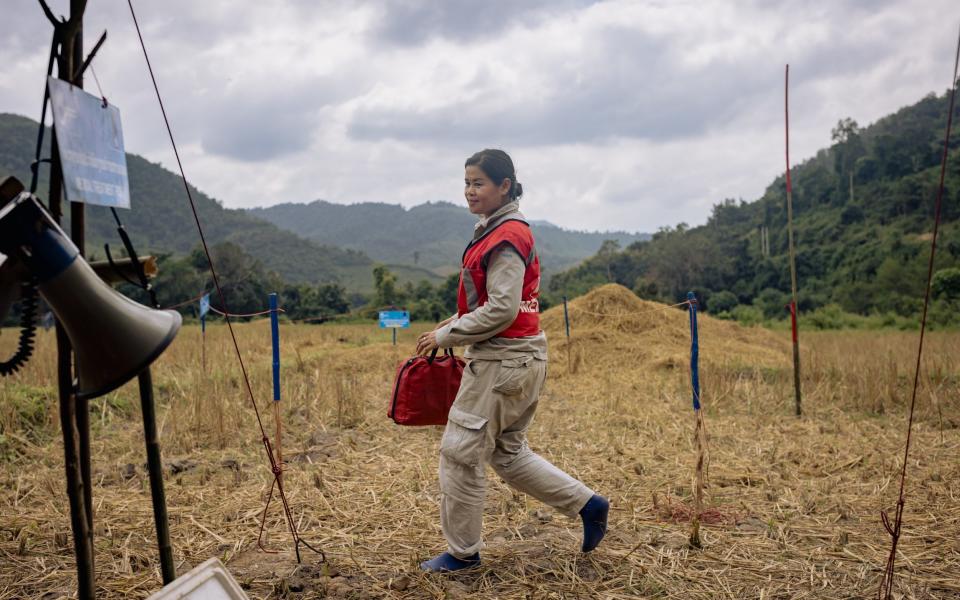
(472, 293)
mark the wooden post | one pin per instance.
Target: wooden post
(151, 440)
(155, 471)
(74, 411)
(793, 257)
(699, 432)
(74, 415)
(77, 226)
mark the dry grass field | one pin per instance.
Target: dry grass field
(794, 502)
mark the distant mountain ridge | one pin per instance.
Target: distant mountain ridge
(320, 242)
(161, 221)
(430, 235)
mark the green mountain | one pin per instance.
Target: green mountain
(863, 217)
(430, 235)
(303, 243)
(161, 221)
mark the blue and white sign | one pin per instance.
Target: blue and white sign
(204, 305)
(394, 318)
(91, 146)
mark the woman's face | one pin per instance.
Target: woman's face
(483, 196)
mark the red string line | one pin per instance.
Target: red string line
(886, 583)
(220, 312)
(628, 314)
(253, 314)
(185, 302)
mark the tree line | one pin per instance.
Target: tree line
(246, 284)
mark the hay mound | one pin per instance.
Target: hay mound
(612, 321)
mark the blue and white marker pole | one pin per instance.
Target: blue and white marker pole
(694, 350)
(566, 324)
(700, 435)
(204, 309)
(394, 319)
(275, 339)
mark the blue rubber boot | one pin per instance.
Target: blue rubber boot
(594, 515)
(447, 563)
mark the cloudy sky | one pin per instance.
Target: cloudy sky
(619, 114)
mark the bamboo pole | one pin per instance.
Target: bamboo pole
(699, 431)
(793, 256)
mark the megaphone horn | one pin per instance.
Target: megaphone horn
(113, 337)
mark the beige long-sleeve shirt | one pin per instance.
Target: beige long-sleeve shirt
(478, 329)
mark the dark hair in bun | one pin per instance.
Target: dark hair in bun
(497, 165)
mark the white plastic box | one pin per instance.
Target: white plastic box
(208, 581)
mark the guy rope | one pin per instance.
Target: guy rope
(274, 466)
(894, 528)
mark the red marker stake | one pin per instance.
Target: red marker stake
(793, 257)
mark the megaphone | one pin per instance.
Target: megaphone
(113, 337)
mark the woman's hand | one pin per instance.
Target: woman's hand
(426, 343)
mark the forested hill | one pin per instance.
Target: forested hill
(161, 221)
(430, 235)
(309, 243)
(863, 216)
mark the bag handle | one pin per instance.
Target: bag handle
(433, 355)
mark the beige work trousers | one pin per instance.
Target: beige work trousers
(488, 424)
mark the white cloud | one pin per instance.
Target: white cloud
(619, 114)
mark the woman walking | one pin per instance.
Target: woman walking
(498, 320)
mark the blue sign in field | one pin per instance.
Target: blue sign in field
(394, 318)
(91, 146)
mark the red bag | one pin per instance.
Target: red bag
(425, 388)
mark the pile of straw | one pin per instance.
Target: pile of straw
(617, 327)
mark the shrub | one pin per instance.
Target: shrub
(771, 303)
(723, 301)
(747, 315)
